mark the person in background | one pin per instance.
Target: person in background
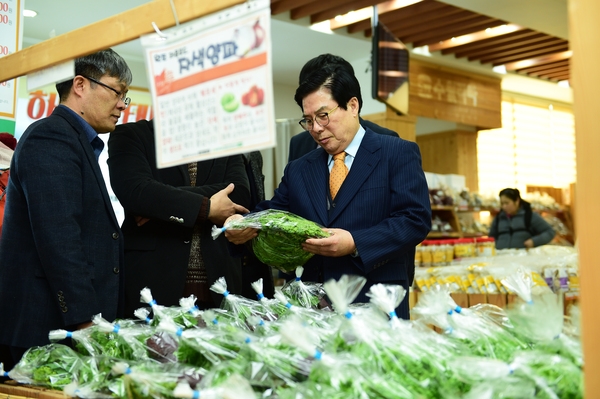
(302, 143)
(517, 225)
(381, 211)
(61, 253)
(169, 214)
(7, 148)
(252, 268)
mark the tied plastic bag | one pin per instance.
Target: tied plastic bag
(280, 237)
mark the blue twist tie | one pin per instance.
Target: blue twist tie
(261, 323)
(393, 314)
(298, 279)
(530, 302)
(215, 321)
(348, 314)
(225, 293)
(450, 312)
(193, 309)
(127, 370)
(247, 340)
(458, 309)
(116, 328)
(318, 354)
(69, 334)
(152, 302)
(5, 374)
(196, 395)
(449, 330)
(223, 229)
(260, 296)
(148, 320)
(179, 332)
(288, 305)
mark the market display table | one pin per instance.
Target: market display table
(13, 390)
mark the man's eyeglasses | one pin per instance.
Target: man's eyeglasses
(322, 119)
(119, 94)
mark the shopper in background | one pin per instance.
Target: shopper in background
(381, 211)
(302, 143)
(169, 214)
(517, 225)
(7, 148)
(61, 253)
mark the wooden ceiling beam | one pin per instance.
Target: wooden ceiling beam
(475, 36)
(513, 66)
(410, 25)
(550, 65)
(281, 6)
(525, 55)
(491, 46)
(315, 7)
(345, 8)
(508, 39)
(441, 35)
(517, 50)
(390, 11)
(109, 32)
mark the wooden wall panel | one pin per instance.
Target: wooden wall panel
(404, 125)
(452, 152)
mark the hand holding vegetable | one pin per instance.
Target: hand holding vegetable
(339, 243)
(236, 236)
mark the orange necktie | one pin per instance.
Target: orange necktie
(338, 173)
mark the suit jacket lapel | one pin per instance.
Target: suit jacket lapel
(367, 159)
(315, 176)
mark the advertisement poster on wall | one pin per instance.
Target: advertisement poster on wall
(11, 25)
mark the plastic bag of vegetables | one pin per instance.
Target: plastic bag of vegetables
(280, 237)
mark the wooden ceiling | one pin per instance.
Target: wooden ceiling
(447, 29)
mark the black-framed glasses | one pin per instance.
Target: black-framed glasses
(322, 119)
(119, 94)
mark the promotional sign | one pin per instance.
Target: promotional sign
(211, 85)
(10, 42)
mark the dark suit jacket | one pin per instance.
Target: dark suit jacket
(157, 253)
(383, 203)
(61, 252)
(303, 143)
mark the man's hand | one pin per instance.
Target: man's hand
(339, 243)
(528, 243)
(221, 207)
(239, 236)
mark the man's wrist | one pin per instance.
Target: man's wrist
(355, 253)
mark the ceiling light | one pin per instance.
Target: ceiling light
(423, 50)
(323, 27)
(563, 83)
(29, 13)
(499, 69)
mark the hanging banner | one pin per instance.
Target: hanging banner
(10, 42)
(212, 87)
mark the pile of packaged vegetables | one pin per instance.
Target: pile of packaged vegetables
(551, 268)
(293, 347)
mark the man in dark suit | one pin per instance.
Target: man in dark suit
(61, 253)
(302, 143)
(169, 214)
(382, 209)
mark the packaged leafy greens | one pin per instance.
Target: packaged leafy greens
(280, 237)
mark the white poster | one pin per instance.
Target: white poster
(10, 42)
(212, 87)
